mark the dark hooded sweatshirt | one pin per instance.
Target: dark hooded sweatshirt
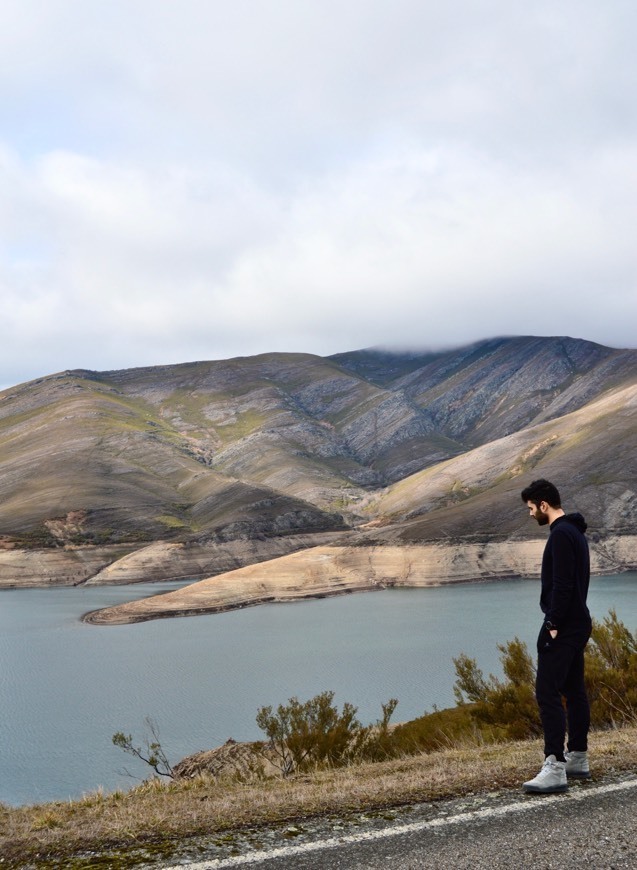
(565, 578)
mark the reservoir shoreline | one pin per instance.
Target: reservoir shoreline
(331, 570)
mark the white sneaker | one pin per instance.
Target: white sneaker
(577, 765)
(552, 778)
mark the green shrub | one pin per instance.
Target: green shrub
(305, 735)
(508, 706)
(438, 730)
(611, 673)
(379, 743)
(487, 709)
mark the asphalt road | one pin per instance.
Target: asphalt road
(594, 824)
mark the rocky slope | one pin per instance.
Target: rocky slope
(592, 452)
(493, 388)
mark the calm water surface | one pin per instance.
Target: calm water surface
(67, 687)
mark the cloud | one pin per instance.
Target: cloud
(209, 179)
(300, 85)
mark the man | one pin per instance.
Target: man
(563, 636)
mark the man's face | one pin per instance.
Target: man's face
(538, 512)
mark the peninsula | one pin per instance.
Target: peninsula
(325, 571)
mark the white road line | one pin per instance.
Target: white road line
(530, 803)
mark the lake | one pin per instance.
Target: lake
(67, 687)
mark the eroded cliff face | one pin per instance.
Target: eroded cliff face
(159, 561)
(335, 570)
(68, 566)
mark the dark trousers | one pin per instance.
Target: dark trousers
(560, 674)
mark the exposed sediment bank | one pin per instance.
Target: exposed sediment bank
(324, 571)
(120, 564)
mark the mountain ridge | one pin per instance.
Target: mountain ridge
(383, 445)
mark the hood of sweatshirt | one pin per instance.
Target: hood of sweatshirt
(577, 520)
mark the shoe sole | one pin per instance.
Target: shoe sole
(535, 789)
(578, 774)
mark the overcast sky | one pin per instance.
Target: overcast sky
(212, 178)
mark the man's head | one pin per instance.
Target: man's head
(543, 500)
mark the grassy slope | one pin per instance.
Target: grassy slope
(75, 444)
(156, 820)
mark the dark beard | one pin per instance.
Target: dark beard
(541, 517)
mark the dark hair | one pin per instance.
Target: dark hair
(542, 490)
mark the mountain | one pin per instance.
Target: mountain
(394, 447)
(493, 388)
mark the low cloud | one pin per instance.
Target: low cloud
(212, 181)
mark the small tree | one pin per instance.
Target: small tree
(151, 753)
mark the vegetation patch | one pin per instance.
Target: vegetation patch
(491, 710)
(241, 425)
(171, 522)
(36, 539)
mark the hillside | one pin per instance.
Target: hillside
(592, 450)
(397, 448)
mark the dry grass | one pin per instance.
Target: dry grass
(157, 815)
